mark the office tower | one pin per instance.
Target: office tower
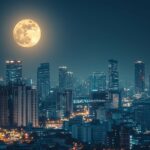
(62, 77)
(4, 111)
(125, 137)
(99, 130)
(69, 102)
(43, 81)
(92, 81)
(113, 138)
(98, 81)
(64, 104)
(69, 80)
(102, 81)
(91, 132)
(81, 88)
(113, 75)
(119, 137)
(86, 131)
(13, 71)
(25, 106)
(141, 114)
(50, 106)
(139, 76)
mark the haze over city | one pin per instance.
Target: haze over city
(80, 34)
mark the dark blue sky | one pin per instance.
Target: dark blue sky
(82, 34)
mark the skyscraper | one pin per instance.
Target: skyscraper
(113, 75)
(25, 106)
(64, 104)
(69, 80)
(43, 81)
(62, 77)
(13, 71)
(69, 102)
(98, 81)
(4, 111)
(139, 76)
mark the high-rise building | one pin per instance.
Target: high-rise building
(102, 81)
(113, 83)
(69, 80)
(113, 75)
(125, 137)
(69, 102)
(4, 111)
(50, 105)
(64, 104)
(13, 71)
(62, 77)
(25, 106)
(113, 137)
(139, 76)
(141, 111)
(91, 132)
(43, 81)
(98, 81)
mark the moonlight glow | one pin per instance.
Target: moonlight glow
(27, 33)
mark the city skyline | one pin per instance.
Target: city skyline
(56, 82)
(74, 75)
(97, 32)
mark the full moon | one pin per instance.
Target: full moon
(27, 33)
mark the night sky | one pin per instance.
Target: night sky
(81, 34)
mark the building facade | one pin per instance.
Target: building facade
(43, 81)
(25, 106)
(4, 106)
(98, 81)
(62, 77)
(139, 77)
(113, 75)
(13, 71)
(64, 104)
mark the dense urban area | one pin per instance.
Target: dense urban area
(98, 113)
